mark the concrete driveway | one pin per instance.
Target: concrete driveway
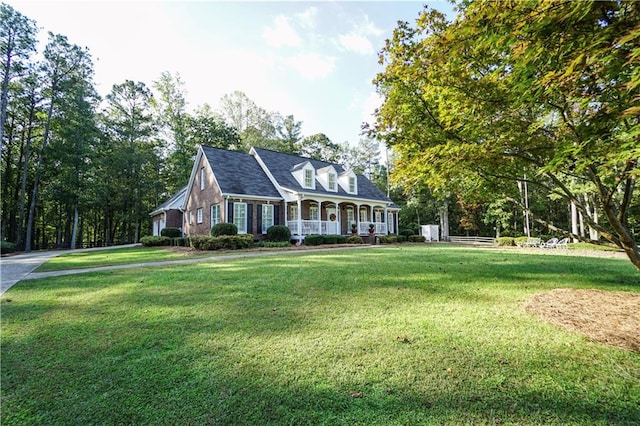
(18, 267)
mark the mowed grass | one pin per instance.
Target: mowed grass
(404, 335)
(111, 257)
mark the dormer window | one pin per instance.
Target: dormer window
(349, 182)
(305, 174)
(308, 178)
(332, 182)
(328, 178)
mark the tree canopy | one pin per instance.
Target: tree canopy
(542, 91)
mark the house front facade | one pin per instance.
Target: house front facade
(264, 188)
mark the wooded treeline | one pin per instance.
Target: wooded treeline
(81, 169)
(78, 169)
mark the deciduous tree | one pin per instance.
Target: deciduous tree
(544, 89)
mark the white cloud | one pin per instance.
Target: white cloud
(355, 43)
(368, 27)
(307, 18)
(357, 40)
(282, 33)
(312, 65)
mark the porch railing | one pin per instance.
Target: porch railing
(379, 227)
(331, 228)
(314, 227)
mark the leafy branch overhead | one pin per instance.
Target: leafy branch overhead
(543, 89)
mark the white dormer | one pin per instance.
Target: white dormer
(328, 178)
(305, 174)
(349, 182)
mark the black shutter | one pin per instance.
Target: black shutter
(259, 219)
(230, 213)
(276, 215)
(249, 219)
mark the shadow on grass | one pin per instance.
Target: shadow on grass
(289, 340)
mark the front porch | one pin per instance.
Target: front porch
(324, 227)
(329, 217)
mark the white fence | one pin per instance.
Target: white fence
(461, 239)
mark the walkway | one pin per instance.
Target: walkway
(20, 267)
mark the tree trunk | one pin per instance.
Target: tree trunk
(574, 221)
(34, 193)
(25, 168)
(74, 232)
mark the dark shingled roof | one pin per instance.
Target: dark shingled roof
(239, 173)
(175, 202)
(280, 165)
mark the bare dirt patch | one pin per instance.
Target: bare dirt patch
(608, 317)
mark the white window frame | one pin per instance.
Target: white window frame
(307, 178)
(240, 217)
(351, 217)
(190, 217)
(293, 212)
(314, 212)
(332, 182)
(352, 185)
(363, 215)
(377, 214)
(267, 217)
(199, 215)
(215, 214)
(201, 178)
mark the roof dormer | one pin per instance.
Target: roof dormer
(305, 174)
(349, 182)
(328, 178)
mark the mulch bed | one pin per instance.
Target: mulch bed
(608, 317)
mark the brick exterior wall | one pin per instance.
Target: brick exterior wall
(205, 198)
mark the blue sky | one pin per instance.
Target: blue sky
(314, 60)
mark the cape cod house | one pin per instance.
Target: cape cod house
(265, 188)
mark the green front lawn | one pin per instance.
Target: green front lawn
(111, 257)
(405, 335)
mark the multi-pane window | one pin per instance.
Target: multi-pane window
(215, 214)
(352, 185)
(267, 217)
(363, 215)
(293, 212)
(199, 215)
(313, 212)
(332, 182)
(240, 217)
(378, 215)
(202, 178)
(350, 216)
(308, 178)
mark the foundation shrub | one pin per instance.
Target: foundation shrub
(155, 241)
(313, 240)
(171, 232)
(355, 239)
(224, 229)
(278, 233)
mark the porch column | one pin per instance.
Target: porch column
(320, 217)
(385, 218)
(357, 215)
(338, 220)
(299, 216)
